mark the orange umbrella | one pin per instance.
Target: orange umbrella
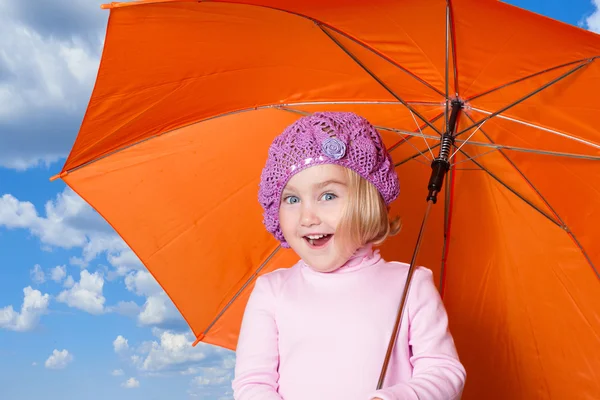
(190, 94)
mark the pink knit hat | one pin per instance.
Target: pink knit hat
(340, 138)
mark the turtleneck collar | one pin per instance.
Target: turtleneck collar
(362, 258)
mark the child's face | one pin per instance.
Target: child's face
(312, 204)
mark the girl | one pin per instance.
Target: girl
(320, 329)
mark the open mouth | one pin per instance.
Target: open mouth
(318, 241)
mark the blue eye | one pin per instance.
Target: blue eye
(328, 196)
(291, 199)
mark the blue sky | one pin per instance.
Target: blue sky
(80, 318)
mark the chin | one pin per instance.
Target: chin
(324, 269)
(321, 266)
(324, 262)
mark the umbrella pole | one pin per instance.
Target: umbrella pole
(439, 166)
(411, 270)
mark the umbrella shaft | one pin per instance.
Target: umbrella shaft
(441, 164)
(409, 276)
(440, 167)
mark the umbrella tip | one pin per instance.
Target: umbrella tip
(57, 176)
(108, 6)
(198, 339)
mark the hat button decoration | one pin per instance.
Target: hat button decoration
(334, 148)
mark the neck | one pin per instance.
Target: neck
(363, 257)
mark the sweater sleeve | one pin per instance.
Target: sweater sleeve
(437, 371)
(257, 354)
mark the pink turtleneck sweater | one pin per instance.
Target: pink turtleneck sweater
(308, 335)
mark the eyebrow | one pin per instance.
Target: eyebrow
(290, 188)
(329, 182)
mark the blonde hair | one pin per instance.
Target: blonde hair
(365, 219)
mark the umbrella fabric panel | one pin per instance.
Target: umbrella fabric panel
(199, 234)
(498, 43)
(177, 39)
(523, 302)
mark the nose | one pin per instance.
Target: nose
(308, 216)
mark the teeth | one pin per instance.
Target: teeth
(313, 237)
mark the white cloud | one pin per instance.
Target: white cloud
(172, 354)
(190, 371)
(120, 344)
(131, 383)
(158, 308)
(48, 65)
(69, 222)
(51, 230)
(142, 283)
(127, 308)
(69, 282)
(58, 273)
(37, 274)
(117, 372)
(174, 351)
(17, 214)
(136, 360)
(59, 359)
(212, 382)
(86, 294)
(213, 376)
(229, 362)
(593, 21)
(34, 305)
(34, 364)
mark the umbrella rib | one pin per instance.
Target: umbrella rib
(546, 202)
(321, 24)
(407, 159)
(499, 146)
(226, 114)
(310, 103)
(367, 70)
(448, 203)
(474, 157)
(375, 126)
(408, 133)
(250, 279)
(421, 153)
(535, 151)
(446, 68)
(555, 132)
(425, 103)
(514, 191)
(411, 134)
(453, 42)
(285, 107)
(527, 77)
(522, 99)
(421, 132)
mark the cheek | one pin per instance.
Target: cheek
(334, 213)
(286, 219)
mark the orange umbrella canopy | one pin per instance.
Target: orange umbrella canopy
(190, 94)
